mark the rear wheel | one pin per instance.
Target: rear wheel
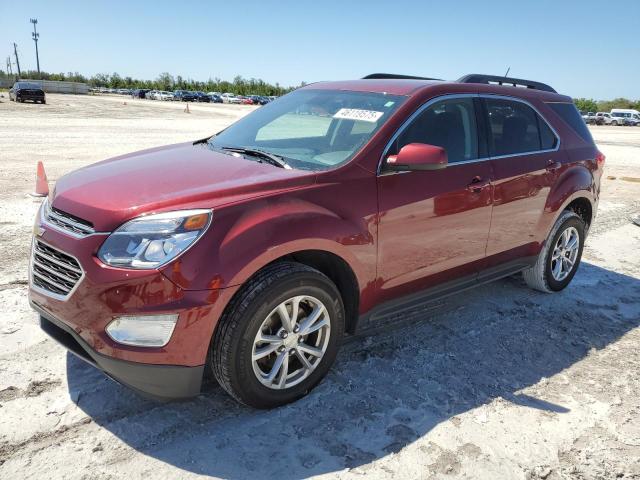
(614, 123)
(279, 336)
(558, 260)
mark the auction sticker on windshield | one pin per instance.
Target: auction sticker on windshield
(357, 114)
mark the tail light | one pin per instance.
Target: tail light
(600, 158)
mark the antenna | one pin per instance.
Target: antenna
(35, 35)
(506, 74)
(15, 52)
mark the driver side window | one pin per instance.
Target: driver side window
(450, 124)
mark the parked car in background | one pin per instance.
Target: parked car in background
(604, 118)
(215, 98)
(163, 95)
(184, 96)
(139, 92)
(230, 98)
(589, 118)
(250, 254)
(202, 97)
(244, 100)
(259, 100)
(151, 94)
(23, 91)
(626, 116)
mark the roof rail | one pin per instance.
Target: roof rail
(395, 76)
(515, 82)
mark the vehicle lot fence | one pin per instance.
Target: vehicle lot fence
(53, 86)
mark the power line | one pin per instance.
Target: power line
(35, 35)
(15, 52)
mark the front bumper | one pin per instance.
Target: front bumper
(79, 319)
(159, 382)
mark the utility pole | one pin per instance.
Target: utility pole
(9, 70)
(35, 35)
(15, 52)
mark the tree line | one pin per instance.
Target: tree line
(244, 86)
(165, 81)
(590, 105)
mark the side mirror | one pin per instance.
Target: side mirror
(417, 156)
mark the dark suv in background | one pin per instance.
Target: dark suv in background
(334, 209)
(23, 91)
(184, 96)
(139, 92)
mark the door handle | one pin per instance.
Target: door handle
(478, 184)
(552, 165)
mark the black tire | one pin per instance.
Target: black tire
(232, 343)
(540, 276)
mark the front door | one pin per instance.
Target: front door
(434, 225)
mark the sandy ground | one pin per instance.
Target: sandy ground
(505, 383)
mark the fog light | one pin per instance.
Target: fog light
(143, 330)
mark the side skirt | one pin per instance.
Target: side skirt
(417, 306)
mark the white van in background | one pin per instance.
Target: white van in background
(627, 116)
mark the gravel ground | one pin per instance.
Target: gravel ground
(505, 383)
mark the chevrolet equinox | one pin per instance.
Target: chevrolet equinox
(252, 253)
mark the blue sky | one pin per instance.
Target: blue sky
(587, 48)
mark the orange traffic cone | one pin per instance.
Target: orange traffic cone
(186, 110)
(42, 186)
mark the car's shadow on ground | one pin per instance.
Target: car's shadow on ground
(384, 391)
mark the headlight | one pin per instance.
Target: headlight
(153, 240)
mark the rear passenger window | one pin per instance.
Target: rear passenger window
(547, 137)
(516, 128)
(450, 124)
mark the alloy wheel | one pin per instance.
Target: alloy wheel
(565, 254)
(291, 342)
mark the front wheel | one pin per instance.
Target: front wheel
(279, 335)
(559, 258)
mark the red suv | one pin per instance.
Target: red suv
(334, 209)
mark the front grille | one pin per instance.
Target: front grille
(67, 222)
(53, 270)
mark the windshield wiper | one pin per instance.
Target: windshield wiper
(271, 158)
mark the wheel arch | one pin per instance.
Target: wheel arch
(329, 263)
(574, 190)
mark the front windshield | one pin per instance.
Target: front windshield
(312, 129)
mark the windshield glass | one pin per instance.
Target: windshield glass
(312, 129)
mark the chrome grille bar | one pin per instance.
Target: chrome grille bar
(54, 271)
(49, 258)
(67, 222)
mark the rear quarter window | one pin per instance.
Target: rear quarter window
(569, 113)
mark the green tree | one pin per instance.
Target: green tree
(607, 105)
(586, 105)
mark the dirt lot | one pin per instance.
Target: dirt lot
(503, 383)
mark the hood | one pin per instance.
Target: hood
(180, 176)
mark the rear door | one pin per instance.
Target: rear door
(525, 159)
(433, 225)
